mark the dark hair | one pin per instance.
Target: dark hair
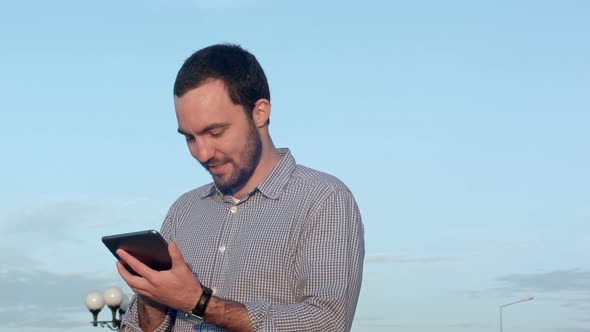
(240, 71)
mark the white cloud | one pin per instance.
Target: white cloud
(568, 288)
(60, 235)
(378, 323)
(56, 299)
(65, 217)
(547, 282)
(399, 257)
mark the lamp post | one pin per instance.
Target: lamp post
(114, 299)
(530, 298)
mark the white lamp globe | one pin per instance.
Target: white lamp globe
(94, 301)
(113, 297)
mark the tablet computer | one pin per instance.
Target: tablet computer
(148, 247)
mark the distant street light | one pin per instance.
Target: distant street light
(530, 298)
(114, 299)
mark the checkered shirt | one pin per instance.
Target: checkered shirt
(291, 251)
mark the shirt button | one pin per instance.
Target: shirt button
(222, 248)
(233, 209)
(214, 290)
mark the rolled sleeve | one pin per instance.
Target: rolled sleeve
(258, 312)
(130, 321)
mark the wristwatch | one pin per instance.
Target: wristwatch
(198, 313)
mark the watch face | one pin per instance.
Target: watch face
(193, 318)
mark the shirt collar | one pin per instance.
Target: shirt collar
(207, 190)
(272, 186)
(274, 183)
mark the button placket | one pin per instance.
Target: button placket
(231, 226)
(232, 210)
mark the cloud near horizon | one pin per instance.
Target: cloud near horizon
(408, 258)
(56, 299)
(575, 280)
(568, 287)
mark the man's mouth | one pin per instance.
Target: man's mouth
(216, 168)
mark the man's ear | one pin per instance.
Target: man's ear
(261, 112)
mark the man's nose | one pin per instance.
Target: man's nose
(202, 151)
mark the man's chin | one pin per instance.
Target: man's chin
(223, 186)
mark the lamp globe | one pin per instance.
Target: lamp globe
(113, 297)
(94, 301)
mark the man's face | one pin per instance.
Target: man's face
(219, 135)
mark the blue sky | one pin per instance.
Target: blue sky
(461, 127)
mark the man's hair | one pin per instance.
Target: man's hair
(241, 73)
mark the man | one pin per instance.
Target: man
(269, 245)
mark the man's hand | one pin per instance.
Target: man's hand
(177, 288)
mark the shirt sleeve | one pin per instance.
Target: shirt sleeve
(329, 264)
(130, 321)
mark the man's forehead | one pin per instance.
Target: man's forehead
(206, 99)
(206, 107)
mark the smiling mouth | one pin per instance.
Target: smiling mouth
(216, 168)
(217, 165)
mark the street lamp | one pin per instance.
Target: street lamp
(114, 299)
(530, 298)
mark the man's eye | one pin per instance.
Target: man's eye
(216, 133)
(189, 138)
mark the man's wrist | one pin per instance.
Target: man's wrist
(150, 314)
(216, 307)
(231, 315)
(150, 304)
(197, 313)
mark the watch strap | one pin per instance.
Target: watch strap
(201, 306)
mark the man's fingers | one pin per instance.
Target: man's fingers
(138, 284)
(137, 266)
(124, 272)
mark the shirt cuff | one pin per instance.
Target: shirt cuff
(258, 314)
(130, 321)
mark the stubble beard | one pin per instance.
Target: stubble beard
(249, 160)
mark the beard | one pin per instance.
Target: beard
(243, 167)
